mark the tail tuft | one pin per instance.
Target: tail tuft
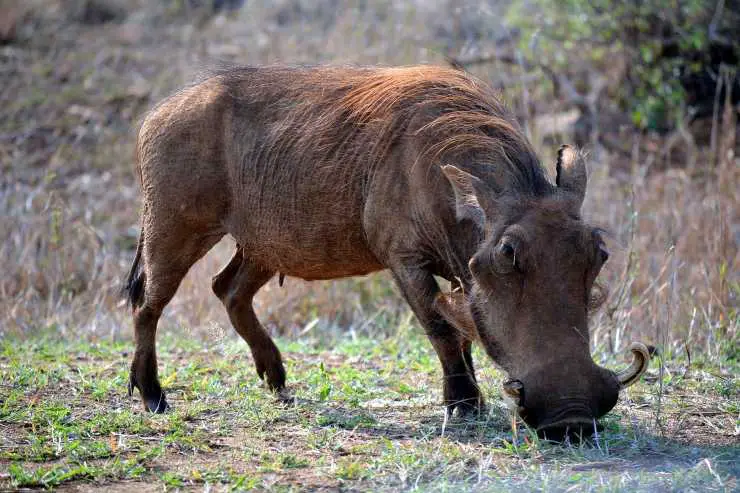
(133, 290)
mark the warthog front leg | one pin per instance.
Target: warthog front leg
(236, 286)
(460, 390)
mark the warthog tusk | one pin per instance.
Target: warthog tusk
(513, 394)
(640, 362)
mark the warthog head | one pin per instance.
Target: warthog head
(528, 300)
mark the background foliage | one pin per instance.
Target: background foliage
(649, 88)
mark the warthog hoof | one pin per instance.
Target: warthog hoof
(152, 404)
(271, 371)
(285, 397)
(465, 410)
(462, 397)
(158, 405)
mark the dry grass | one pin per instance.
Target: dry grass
(72, 95)
(69, 218)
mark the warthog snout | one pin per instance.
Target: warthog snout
(557, 413)
(558, 409)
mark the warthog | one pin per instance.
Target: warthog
(328, 172)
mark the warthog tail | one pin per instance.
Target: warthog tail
(133, 290)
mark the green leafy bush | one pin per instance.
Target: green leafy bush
(671, 50)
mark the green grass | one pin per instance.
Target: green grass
(366, 416)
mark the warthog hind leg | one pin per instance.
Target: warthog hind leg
(236, 286)
(166, 261)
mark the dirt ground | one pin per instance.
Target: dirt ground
(77, 77)
(362, 420)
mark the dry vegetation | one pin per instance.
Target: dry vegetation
(73, 89)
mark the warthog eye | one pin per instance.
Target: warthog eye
(604, 254)
(505, 259)
(507, 249)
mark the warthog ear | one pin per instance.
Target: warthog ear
(571, 173)
(472, 196)
(454, 309)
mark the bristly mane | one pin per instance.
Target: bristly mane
(325, 115)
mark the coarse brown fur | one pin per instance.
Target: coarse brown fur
(327, 172)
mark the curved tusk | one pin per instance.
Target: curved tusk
(513, 394)
(640, 362)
